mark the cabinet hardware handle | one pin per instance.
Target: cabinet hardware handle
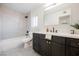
(47, 41)
(78, 43)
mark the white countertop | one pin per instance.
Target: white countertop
(61, 34)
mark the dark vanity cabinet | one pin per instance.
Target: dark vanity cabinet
(57, 46)
(72, 47)
(41, 45)
(68, 47)
(65, 46)
(35, 42)
(75, 47)
(48, 47)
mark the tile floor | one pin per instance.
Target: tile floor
(15, 47)
(20, 51)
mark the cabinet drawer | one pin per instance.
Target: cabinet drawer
(39, 36)
(58, 39)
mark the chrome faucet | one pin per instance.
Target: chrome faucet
(72, 31)
(53, 29)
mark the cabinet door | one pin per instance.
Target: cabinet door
(35, 42)
(43, 47)
(75, 47)
(38, 43)
(59, 50)
(58, 46)
(74, 51)
(49, 47)
(68, 47)
(72, 47)
(58, 39)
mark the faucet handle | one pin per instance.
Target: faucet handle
(56, 31)
(53, 29)
(72, 31)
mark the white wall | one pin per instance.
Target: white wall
(40, 13)
(51, 19)
(13, 24)
(75, 13)
(0, 24)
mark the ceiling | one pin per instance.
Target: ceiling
(22, 7)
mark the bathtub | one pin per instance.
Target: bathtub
(7, 44)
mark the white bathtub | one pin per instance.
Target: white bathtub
(12, 43)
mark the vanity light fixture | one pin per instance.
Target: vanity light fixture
(48, 6)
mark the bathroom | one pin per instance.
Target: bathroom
(18, 22)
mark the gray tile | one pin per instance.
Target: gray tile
(20, 51)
